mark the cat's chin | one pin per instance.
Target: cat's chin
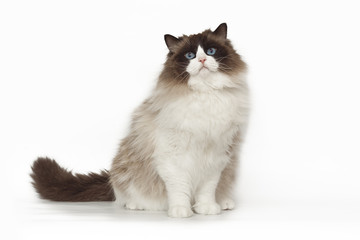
(207, 80)
(205, 72)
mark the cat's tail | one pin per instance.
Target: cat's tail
(58, 184)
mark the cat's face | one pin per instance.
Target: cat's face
(202, 60)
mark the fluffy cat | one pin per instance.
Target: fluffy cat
(182, 149)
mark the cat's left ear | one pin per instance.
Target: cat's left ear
(221, 31)
(171, 42)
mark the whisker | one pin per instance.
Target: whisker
(223, 65)
(182, 77)
(227, 56)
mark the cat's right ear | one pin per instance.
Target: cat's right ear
(171, 42)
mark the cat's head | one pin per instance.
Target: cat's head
(202, 61)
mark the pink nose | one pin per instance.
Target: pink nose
(202, 60)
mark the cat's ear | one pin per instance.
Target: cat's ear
(171, 42)
(221, 31)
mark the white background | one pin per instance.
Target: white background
(71, 72)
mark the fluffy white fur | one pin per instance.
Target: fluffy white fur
(190, 151)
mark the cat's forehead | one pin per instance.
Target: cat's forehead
(205, 38)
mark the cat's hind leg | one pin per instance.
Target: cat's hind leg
(225, 187)
(132, 199)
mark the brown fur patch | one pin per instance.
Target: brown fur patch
(58, 184)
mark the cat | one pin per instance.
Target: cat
(182, 149)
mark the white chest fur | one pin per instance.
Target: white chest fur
(195, 131)
(205, 114)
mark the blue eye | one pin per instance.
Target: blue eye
(211, 51)
(190, 55)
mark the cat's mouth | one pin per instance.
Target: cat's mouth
(204, 68)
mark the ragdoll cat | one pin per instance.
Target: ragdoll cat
(181, 152)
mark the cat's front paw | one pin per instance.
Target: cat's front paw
(227, 204)
(179, 211)
(207, 208)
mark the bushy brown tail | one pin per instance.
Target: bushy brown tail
(56, 183)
